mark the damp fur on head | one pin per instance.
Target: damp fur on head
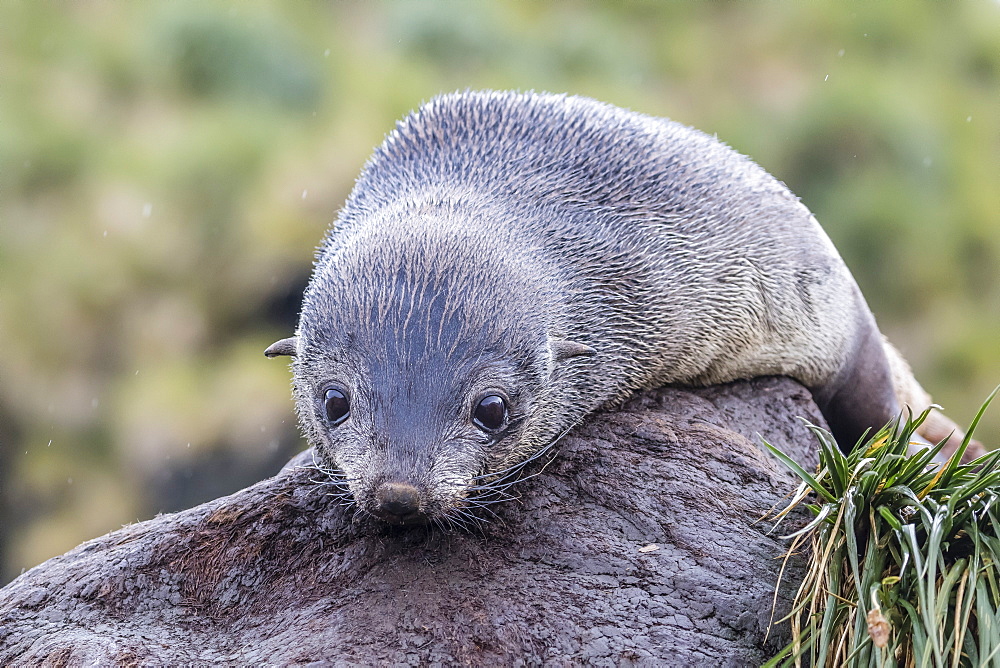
(415, 325)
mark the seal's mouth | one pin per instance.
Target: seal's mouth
(409, 519)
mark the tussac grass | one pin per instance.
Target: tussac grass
(905, 566)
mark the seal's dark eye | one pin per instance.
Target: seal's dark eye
(490, 413)
(336, 405)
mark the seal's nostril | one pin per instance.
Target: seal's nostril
(398, 498)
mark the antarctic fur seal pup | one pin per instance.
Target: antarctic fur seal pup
(508, 263)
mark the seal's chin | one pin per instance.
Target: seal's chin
(410, 519)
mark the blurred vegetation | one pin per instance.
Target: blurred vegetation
(166, 170)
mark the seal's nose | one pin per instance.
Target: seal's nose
(398, 499)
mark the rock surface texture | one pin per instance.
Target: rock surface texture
(280, 573)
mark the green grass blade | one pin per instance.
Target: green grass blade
(918, 541)
(801, 472)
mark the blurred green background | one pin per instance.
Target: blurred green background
(166, 170)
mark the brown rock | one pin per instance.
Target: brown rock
(280, 573)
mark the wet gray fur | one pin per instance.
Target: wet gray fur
(495, 238)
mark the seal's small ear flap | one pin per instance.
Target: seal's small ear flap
(563, 349)
(283, 347)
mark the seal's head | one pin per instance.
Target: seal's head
(424, 365)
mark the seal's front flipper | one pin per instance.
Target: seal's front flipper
(860, 397)
(872, 388)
